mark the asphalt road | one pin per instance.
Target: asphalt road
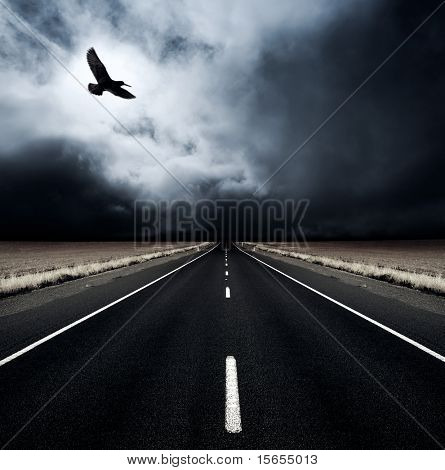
(186, 364)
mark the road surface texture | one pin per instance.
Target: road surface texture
(224, 352)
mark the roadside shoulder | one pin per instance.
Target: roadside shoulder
(412, 297)
(36, 298)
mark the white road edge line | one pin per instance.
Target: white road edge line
(233, 412)
(227, 292)
(355, 312)
(81, 320)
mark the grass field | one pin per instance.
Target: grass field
(419, 264)
(30, 265)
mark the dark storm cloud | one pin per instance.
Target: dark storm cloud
(48, 21)
(226, 91)
(181, 48)
(144, 126)
(377, 168)
(54, 190)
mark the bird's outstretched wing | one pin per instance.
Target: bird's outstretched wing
(96, 66)
(122, 93)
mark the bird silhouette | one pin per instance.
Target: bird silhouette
(104, 81)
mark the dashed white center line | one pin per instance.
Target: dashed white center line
(227, 292)
(233, 412)
(227, 273)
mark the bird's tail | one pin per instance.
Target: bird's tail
(95, 89)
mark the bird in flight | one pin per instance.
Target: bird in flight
(104, 81)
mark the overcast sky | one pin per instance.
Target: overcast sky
(226, 90)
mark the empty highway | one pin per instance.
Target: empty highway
(225, 349)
